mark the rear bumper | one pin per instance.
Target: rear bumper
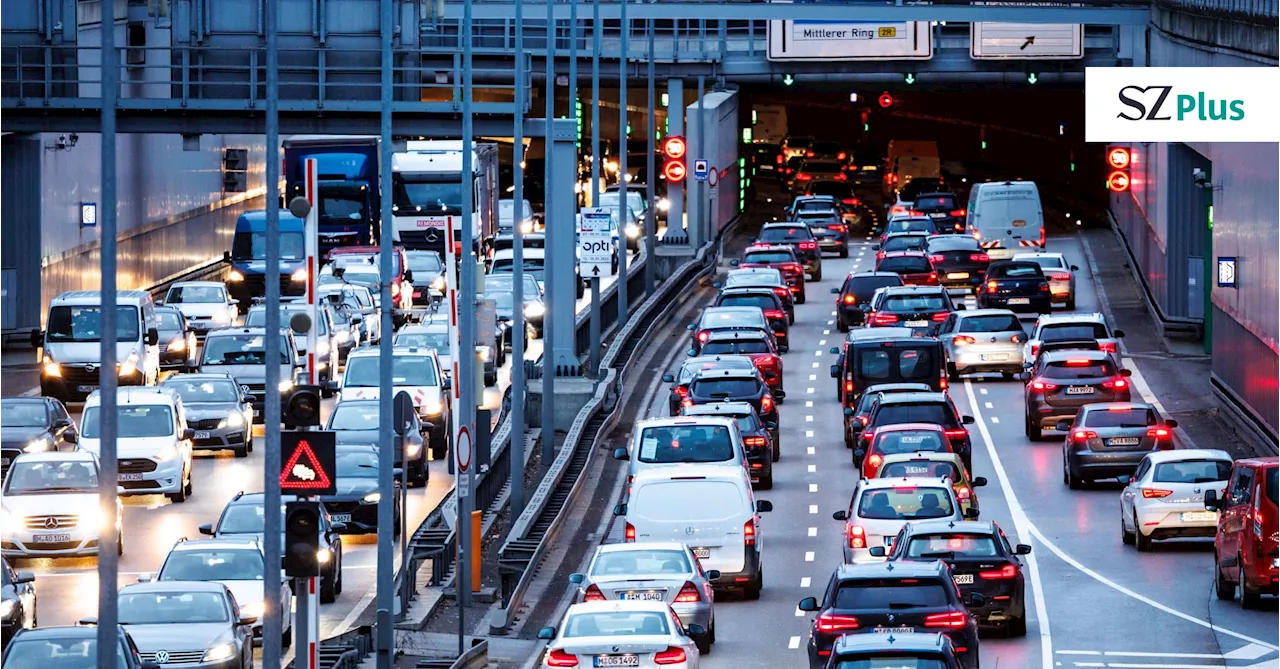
(988, 359)
(1093, 465)
(739, 579)
(1038, 304)
(1164, 521)
(851, 316)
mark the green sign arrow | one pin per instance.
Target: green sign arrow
(911, 78)
(1032, 78)
(788, 79)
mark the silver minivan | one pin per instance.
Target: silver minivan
(71, 340)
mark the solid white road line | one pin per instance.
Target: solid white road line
(793, 643)
(799, 613)
(806, 582)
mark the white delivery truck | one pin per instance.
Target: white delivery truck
(427, 190)
(1006, 218)
(770, 123)
(907, 160)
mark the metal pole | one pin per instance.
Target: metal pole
(700, 221)
(301, 653)
(595, 175)
(594, 330)
(273, 625)
(517, 286)
(549, 214)
(108, 561)
(466, 359)
(387, 443)
(651, 179)
(623, 217)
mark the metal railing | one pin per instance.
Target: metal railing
(1252, 9)
(346, 650)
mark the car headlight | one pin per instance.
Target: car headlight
(93, 517)
(526, 227)
(234, 276)
(169, 452)
(234, 419)
(51, 368)
(633, 231)
(664, 204)
(323, 556)
(37, 445)
(178, 344)
(130, 365)
(373, 497)
(412, 449)
(482, 352)
(535, 309)
(433, 406)
(322, 348)
(6, 607)
(437, 284)
(299, 274)
(220, 317)
(286, 385)
(220, 652)
(253, 609)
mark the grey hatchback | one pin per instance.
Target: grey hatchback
(1109, 439)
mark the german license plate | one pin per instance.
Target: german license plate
(4, 462)
(202, 435)
(1019, 300)
(917, 324)
(917, 470)
(643, 595)
(256, 413)
(938, 214)
(995, 357)
(131, 477)
(702, 553)
(895, 630)
(340, 517)
(1080, 390)
(964, 579)
(50, 538)
(617, 661)
(86, 389)
(1124, 441)
(957, 275)
(1195, 516)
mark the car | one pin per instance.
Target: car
(901, 241)
(1062, 277)
(356, 503)
(655, 571)
(731, 385)
(805, 203)
(507, 216)
(242, 354)
(1110, 439)
(634, 227)
(355, 305)
(815, 170)
(907, 195)
(855, 292)
(766, 157)
(356, 423)
(787, 175)
(908, 223)
(755, 344)
(959, 259)
(325, 355)
(180, 622)
(766, 300)
(846, 200)
(430, 334)
(596, 633)
(826, 150)
(982, 561)
(428, 275)
(17, 601)
(796, 146)
(153, 442)
(945, 210)
(69, 647)
(923, 650)
(982, 340)
(503, 262)
(242, 517)
(936, 408)
(866, 600)
(717, 319)
(220, 415)
(782, 258)
(349, 259)
(684, 376)
(504, 313)
(177, 340)
(417, 372)
(757, 437)
(33, 425)
(1072, 328)
(920, 308)
(1061, 382)
(1244, 554)
(1006, 216)
(897, 439)
(1164, 499)
(669, 443)
(879, 507)
(51, 506)
(858, 413)
(235, 562)
(70, 345)
(535, 308)
(206, 305)
(933, 465)
(799, 238)
(874, 356)
(505, 241)
(762, 277)
(913, 266)
(829, 228)
(1015, 285)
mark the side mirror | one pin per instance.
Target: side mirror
(848, 411)
(966, 420)
(1211, 500)
(835, 291)
(159, 303)
(71, 437)
(1117, 334)
(971, 514)
(206, 529)
(695, 629)
(1171, 423)
(689, 327)
(1126, 372)
(834, 371)
(620, 510)
(1075, 269)
(247, 399)
(576, 579)
(1022, 549)
(808, 604)
(959, 307)
(833, 351)
(37, 338)
(734, 263)
(1063, 425)
(859, 453)
(979, 482)
(120, 490)
(447, 384)
(840, 515)
(691, 353)
(668, 378)
(620, 454)
(547, 633)
(153, 336)
(25, 577)
(876, 551)
(976, 599)
(247, 620)
(233, 301)
(716, 285)
(771, 426)
(423, 428)
(188, 434)
(780, 394)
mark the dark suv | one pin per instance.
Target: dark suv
(757, 440)
(732, 385)
(1017, 286)
(935, 408)
(798, 237)
(780, 257)
(769, 302)
(1061, 382)
(680, 381)
(923, 650)
(892, 598)
(943, 208)
(960, 260)
(856, 292)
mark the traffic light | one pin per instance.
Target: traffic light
(886, 100)
(302, 539)
(1119, 160)
(302, 408)
(674, 149)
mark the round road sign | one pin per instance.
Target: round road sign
(462, 448)
(713, 177)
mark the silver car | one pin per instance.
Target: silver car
(653, 572)
(219, 412)
(983, 340)
(189, 623)
(1060, 273)
(622, 634)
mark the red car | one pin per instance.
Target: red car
(401, 277)
(1245, 547)
(914, 267)
(780, 257)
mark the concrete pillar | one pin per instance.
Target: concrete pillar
(561, 245)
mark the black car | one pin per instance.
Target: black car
(891, 598)
(874, 356)
(781, 258)
(828, 228)
(798, 237)
(1061, 382)
(714, 319)
(1015, 285)
(856, 292)
(177, 340)
(787, 175)
(215, 407)
(856, 417)
(934, 408)
(901, 241)
(767, 300)
(944, 209)
(757, 436)
(934, 651)
(732, 385)
(33, 425)
(18, 593)
(71, 647)
(960, 260)
(357, 500)
(921, 308)
(981, 559)
(680, 381)
(355, 423)
(766, 158)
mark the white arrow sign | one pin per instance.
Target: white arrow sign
(1026, 41)
(595, 241)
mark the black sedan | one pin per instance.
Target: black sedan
(17, 601)
(1015, 285)
(960, 260)
(769, 302)
(177, 340)
(33, 425)
(356, 502)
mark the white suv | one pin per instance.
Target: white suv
(51, 506)
(153, 442)
(880, 507)
(205, 304)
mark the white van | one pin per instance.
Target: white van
(1006, 218)
(72, 339)
(153, 442)
(676, 442)
(709, 507)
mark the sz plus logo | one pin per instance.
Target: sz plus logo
(1161, 103)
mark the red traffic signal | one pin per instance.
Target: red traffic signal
(886, 100)
(1118, 181)
(674, 147)
(674, 171)
(1118, 157)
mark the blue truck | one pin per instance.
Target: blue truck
(248, 257)
(349, 202)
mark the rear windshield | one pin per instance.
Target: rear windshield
(1120, 418)
(686, 443)
(817, 205)
(914, 302)
(863, 287)
(910, 225)
(670, 501)
(966, 545)
(1028, 271)
(936, 202)
(993, 323)
(770, 277)
(735, 346)
(897, 363)
(889, 593)
(935, 413)
(910, 441)
(909, 660)
(1079, 369)
(840, 190)
(905, 503)
(920, 469)
(904, 243)
(723, 388)
(1046, 262)
(616, 624)
(905, 264)
(757, 257)
(654, 561)
(1073, 331)
(822, 168)
(1192, 471)
(785, 234)
(761, 301)
(954, 243)
(723, 319)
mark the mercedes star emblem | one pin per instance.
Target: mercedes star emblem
(162, 656)
(688, 530)
(51, 523)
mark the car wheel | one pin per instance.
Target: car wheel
(1126, 537)
(1249, 599)
(713, 631)
(953, 373)
(286, 638)
(844, 252)
(755, 586)
(1140, 541)
(1018, 626)
(704, 643)
(766, 482)
(491, 379)
(120, 544)
(249, 438)
(242, 451)
(1223, 588)
(777, 448)
(1073, 481)
(327, 592)
(800, 299)
(421, 474)
(1034, 431)
(184, 490)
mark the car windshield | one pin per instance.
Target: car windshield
(765, 257)
(196, 295)
(1079, 369)
(1120, 417)
(653, 561)
(910, 441)
(194, 391)
(428, 197)
(1046, 262)
(134, 421)
(910, 225)
(1023, 271)
(257, 318)
(243, 518)
(992, 323)
(863, 287)
(920, 469)
(214, 564)
(935, 202)
(906, 502)
(748, 300)
(506, 210)
(242, 349)
(817, 204)
(420, 261)
(1273, 482)
(354, 416)
(1073, 331)
(898, 660)
(890, 593)
(1192, 471)
(731, 346)
(914, 302)
(169, 320)
(37, 476)
(686, 443)
(253, 246)
(436, 340)
(962, 545)
(905, 265)
(361, 464)
(785, 234)
(45, 652)
(617, 624)
(724, 388)
(934, 413)
(406, 370)
(507, 266)
(904, 243)
(82, 323)
(172, 608)
(23, 414)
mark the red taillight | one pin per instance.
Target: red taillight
(958, 212)
(1035, 350)
(936, 258)
(841, 177)
(963, 340)
(672, 655)
(956, 433)
(850, 299)
(774, 313)
(1155, 493)
(1004, 573)
(1084, 435)
(991, 286)
(1117, 384)
(1044, 287)
(688, 594)
(834, 622)
(780, 159)
(593, 594)
(857, 537)
(941, 315)
(962, 492)
(559, 658)
(836, 226)
(1107, 347)
(789, 170)
(749, 532)
(630, 533)
(703, 336)
(687, 403)
(897, 209)
(850, 200)
(808, 246)
(766, 404)
(884, 319)
(803, 177)
(1060, 276)
(780, 291)
(792, 267)
(841, 156)
(1158, 433)
(808, 154)
(979, 257)
(1043, 385)
(953, 620)
(873, 462)
(755, 442)
(682, 391)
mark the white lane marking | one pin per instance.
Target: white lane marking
(808, 419)
(1023, 524)
(813, 508)
(813, 531)
(831, 322)
(808, 403)
(988, 405)
(817, 354)
(799, 613)
(1134, 653)
(793, 643)
(808, 433)
(826, 332)
(833, 313)
(813, 469)
(815, 365)
(1129, 665)
(813, 487)
(983, 391)
(806, 582)
(1140, 384)
(809, 390)
(1250, 652)
(995, 419)
(812, 450)
(823, 342)
(813, 377)
(808, 556)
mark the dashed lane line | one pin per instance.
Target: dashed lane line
(808, 433)
(806, 582)
(794, 643)
(813, 508)
(810, 391)
(808, 556)
(813, 531)
(813, 469)
(813, 487)
(813, 377)
(812, 450)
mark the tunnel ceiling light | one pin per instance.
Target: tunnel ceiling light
(1118, 157)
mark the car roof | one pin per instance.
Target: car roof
(374, 351)
(95, 296)
(1075, 354)
(640, 546)
(26, 400)
(58, 456)
(970, 313)
(725, 374)
(895, 569)
(914, 398)
(247, 542)
(931, 456)
(667, 421)
(692, 471)
(999, 264)
(904, 427)
(913, 290)
(136, 394)
(1118, 406)
(863, 335)
(1075, 317)
(199, 284)
(898, 641)
(899, 387)
(196, 376)
(783, 224)
(699, 360)
(64, 631)
(940, 482)
(730, 310)
(1183, 454)
(720, 409)
(612, 605)
(747, 290)
(768, 247)
(871, 275)
(174, 586)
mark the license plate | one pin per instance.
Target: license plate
(938, 214)
(957, 275)
(917, 470)
(1080, 390)
(256, 413)
(4, 462)
(86, 389)
(895, 630)
(50, 538)
(643, 595)
(964, 579)
(202, 435)
(1199, 515)
(131, 477)
(340, 517)
(1019, 300)
(617, 661)
(917, 324)
(995, 357)
(1124, 441)
(702, 553)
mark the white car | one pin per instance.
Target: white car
(234, 562)
(1165, 496)
(205, 304)
(617, 633)
(153, 443)
(415, 371)
(51, 507)
(1071, 327)
(1061, 275)
(880, 507)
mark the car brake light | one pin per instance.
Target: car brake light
(958, 212)
(756, 442)
(1060, 276)
(884, 319)
(1043, 385)
(991, 286)
(941, 315)
(850, 299)
(808, 154)
(956, 433)
(779, 159)
(952, 620)
(774, 313)
(780, 291)
(1035, 350)
(897, 209)
(979, 257)
(1006, 572)
(962, 492)
(1044, 286)
(1158, 432)
(1084, 435)
(593, 594)
(963, 340)
(703, 336)
(808, 246)
(1017, 338)
(1156, 493)
(688, 594)
(841, 156)
(749, 532)
(1077, 363)
(630, 533)
(873, 462)
(835, 622)
(792, 267)
(836, 226)
(559, 658)
(850, 200)
(687, 403)
(803, 177)
(766, 404)
(857, 537)
(1107, 347)
(841, 177)
(937, 258)
(672, 655)
(1118, 384)
(682, 391)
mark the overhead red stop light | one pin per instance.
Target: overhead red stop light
(674, 149)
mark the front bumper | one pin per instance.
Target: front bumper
(223, 438)
(144, 476)
(69, 542)
(77, 382)
(361, 517)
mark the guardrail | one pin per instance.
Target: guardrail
(345, 651)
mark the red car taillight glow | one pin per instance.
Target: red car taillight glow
(1158, 433)
(857, 537)
(1084, 435)
(1117, 384)
(774, 313)
(1043, 385)
(672, 655)
(593, 594)
(749, 532)
(688, 594)
(1155, 493)
(952, 620)
(1105, 347)
(834, 622)
(755, 442)
(559, 658)
(850, 299)
(884, 319)
(941, 315)
(1004, 573)
(979, 257)
(963, 340)
(630, 533)
(766, 404)
(808, 246)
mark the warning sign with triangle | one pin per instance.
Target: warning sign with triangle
(309, 462)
